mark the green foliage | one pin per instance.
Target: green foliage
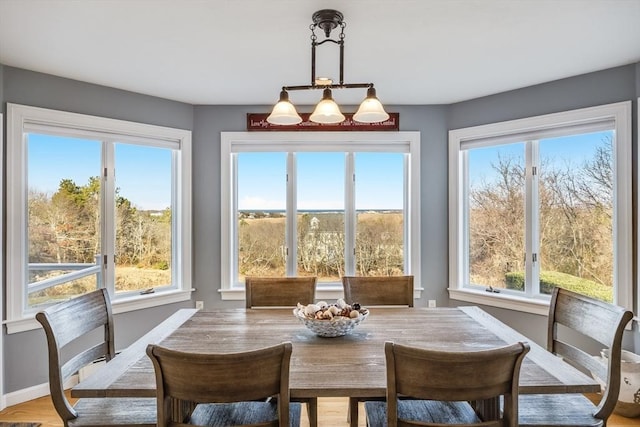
(161, 265)
(514, 280)
(552, 279)
(65, 227)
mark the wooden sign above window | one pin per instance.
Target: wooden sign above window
(258, 122)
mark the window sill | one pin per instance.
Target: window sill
(501, 300)
(123, 305)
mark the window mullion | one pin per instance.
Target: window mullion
(108, 209)
(349, 215)
(291, 234)
(532, 206)
(464, 240)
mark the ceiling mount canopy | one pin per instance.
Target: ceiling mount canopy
(327, 111)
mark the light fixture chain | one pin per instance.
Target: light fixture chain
(312, 27)
(327, 111)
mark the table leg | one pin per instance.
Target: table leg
(352, 415)
(488, 409)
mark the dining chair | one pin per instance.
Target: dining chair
(379, 290)
(437, 386)
(572, 318)
(279, 291)
(71, 343)
(284, 292)
(224, 389)
(371, 291)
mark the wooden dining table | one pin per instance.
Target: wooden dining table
(351, 366)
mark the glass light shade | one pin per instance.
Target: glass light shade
(371, 109)
(284, 113)
(327, 111)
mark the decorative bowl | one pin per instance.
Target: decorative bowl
(335, 327)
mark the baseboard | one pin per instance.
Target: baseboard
(33, 392)
(26, 394)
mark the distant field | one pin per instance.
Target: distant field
(128, 278)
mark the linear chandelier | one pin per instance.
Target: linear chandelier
(327, 111)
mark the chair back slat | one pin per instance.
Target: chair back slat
(222, 378)
(454, 376)
(279, 291)
(580, 359)
(600, 321)
(67, 322)
(78, 316)
(427, 374)
(82, 359)
(582, 314)
(370, 291)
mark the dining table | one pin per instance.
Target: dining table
(352, 365)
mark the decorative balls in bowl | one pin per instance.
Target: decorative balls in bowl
(331, 320)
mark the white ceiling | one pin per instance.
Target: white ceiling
(243, 51)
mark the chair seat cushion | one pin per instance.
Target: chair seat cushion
(115, 411)
(241, 413)
(422, 410)
(557, 410)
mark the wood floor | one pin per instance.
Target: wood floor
(332, 412)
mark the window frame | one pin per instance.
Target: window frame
(233, 142)
(535, 128)
(20, 119)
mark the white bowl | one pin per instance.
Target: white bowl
(336, 327)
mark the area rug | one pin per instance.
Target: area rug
(5, 424)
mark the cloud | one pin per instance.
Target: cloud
(252, 203)
(259, 203)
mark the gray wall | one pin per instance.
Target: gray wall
(211, 120)
(1, 85)
(25, 355)
(604, 87)
(25, 358)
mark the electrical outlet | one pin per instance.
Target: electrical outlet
(199, 305)
(431, 303)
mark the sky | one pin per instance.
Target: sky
(570, 150)
(321, 181)
(143, 174)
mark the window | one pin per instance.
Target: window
(322, 204)
(542, 202)
(94, 203)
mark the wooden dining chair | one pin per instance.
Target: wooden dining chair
(279, 291)
(74, 321)
(436, 386)
(228, 389)
(375, 291)
(387, 290)
(284, 292)
(572, 318)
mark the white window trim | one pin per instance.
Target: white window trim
(313, 141)
(620, 113)
(637, 224)
(19, 116)
(3, 400)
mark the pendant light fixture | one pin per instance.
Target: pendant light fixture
(327, 111)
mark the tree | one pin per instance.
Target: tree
(496, 223)
(575, 219)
